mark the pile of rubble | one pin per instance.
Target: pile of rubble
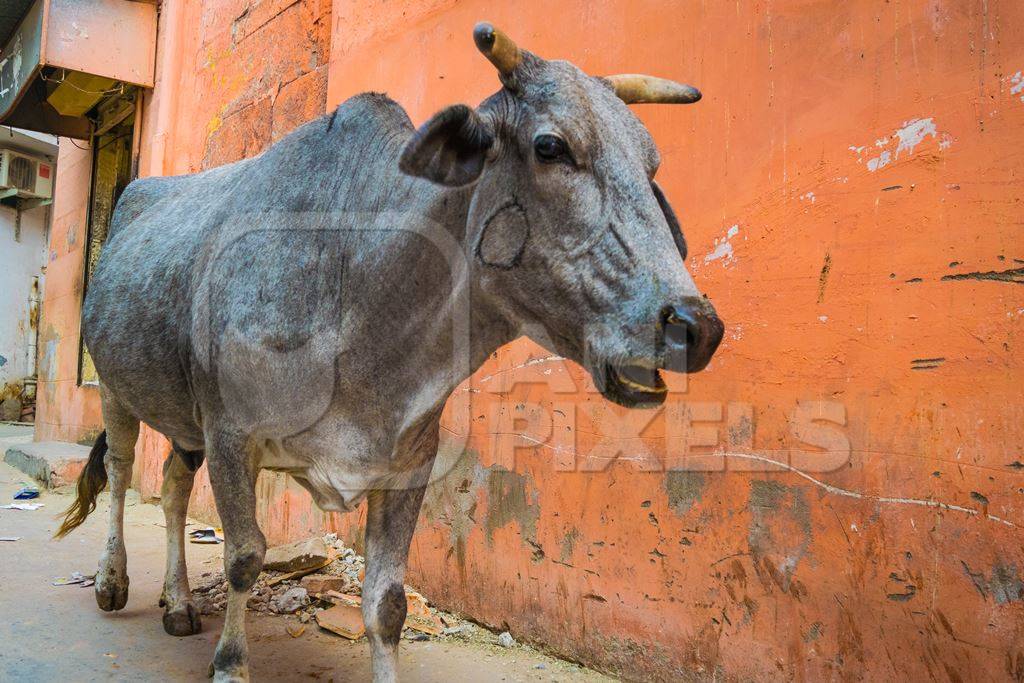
(319, 579)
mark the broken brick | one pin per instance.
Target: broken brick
(297, 556)
(345, 620)
(321, 583)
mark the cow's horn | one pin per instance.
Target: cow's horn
(640, 89)
(497, 47)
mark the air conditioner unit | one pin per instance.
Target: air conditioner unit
(25, 176)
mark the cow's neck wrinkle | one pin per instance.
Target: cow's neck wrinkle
(452, 330)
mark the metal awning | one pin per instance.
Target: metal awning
(65, 56)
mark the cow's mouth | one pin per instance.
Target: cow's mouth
(633, 386)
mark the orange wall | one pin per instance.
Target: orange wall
(851, 190)
(66, 411)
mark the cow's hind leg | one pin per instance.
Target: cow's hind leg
(122, 433)
(391, 519)
(181, 618)
(233, 473)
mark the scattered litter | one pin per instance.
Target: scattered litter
(10, 538)
(295, 632)
(506, 639)
(539, 666)
(345, 620)
(416, 637)
(26, 493)
(75, 578)
(206, 535)
(22, 506)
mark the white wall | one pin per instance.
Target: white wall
(20, 261)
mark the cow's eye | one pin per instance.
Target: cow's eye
(551, 149)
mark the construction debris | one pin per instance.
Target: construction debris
(291, 601)
(321, 583)
(345, 620)
(297, 556)
(327, 589)
(298, 573)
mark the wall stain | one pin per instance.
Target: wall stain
(569, 544)
(813, 633)
(451, 499)
(512, 498)
(684, 488)
(1004, 585)
(1012, 275)
(826, 268)
(779, 534)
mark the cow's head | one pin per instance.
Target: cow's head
(569, 231)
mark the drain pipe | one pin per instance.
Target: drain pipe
(33, 328)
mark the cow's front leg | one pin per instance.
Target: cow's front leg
(390, 521)
(181, 618)
(233, 478)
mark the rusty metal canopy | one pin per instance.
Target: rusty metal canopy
(64, 56)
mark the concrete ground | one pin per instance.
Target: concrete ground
(56, 633)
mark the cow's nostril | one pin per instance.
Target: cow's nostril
(681, 327)
(690, 334)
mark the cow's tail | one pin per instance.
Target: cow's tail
(92, 480)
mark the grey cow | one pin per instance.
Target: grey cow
(311, 309)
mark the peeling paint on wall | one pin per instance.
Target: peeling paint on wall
(1016, 82)
(903, 141)
(723, 248)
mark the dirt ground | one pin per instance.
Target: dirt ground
(56, 633)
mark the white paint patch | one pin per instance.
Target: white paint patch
(723, 248)
(913, 134)
(903, 141)
(878, 162)
(1016, 82)
(809, 197)
(823, 318)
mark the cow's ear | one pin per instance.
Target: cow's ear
(449, 149)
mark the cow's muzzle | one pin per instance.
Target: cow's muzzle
(688, 336)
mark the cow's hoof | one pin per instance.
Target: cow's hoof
(184, 621)
(111, 595)
(235, 675)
